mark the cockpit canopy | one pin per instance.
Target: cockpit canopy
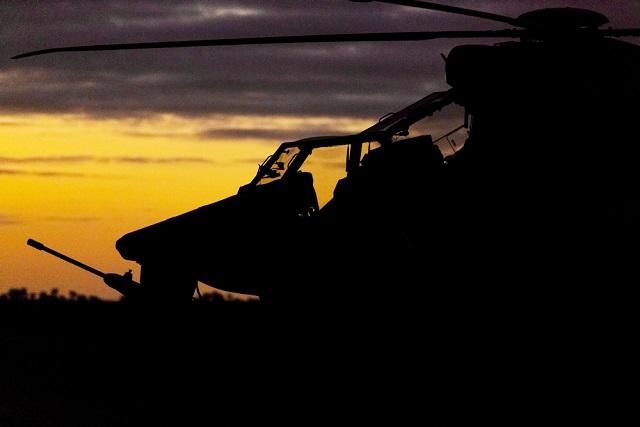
(290, 156)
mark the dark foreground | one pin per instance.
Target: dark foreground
(112, 364)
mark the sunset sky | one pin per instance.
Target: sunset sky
(94, 145)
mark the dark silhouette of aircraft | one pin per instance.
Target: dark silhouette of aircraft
(538, 207)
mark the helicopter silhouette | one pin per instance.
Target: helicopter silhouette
(539, 203)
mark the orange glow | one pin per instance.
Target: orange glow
(78, 183)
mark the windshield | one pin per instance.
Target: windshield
(274, 167)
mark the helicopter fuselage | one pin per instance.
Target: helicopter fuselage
(548, 121)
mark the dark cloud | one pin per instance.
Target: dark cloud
(44, 159)
(8, 220)
(249, 160)
(139, 134)
(356, 80)
(156, 161)
(71, 219)
(268, 134)
(95, 159)
(12, 220)
(45, 174)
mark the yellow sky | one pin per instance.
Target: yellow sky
(77, 184)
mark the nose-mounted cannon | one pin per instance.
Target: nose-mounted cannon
(122, 283)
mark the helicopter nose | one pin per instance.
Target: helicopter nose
(126, 246)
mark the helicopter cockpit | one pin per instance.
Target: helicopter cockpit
(290, 157)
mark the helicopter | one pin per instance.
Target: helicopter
(543, 190)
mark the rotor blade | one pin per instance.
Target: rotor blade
(322, 38)
(450, 9)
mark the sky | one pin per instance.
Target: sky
(95, 145)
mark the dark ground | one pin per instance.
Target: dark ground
(85, 362)
(93, 363)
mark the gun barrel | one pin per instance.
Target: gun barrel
(41, 247)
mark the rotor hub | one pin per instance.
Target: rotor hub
(562, 19)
